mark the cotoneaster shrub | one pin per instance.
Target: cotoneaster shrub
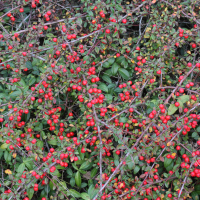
(99, 99)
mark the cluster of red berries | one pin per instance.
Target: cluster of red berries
(47, 15)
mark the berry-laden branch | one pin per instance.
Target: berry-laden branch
(99, 100)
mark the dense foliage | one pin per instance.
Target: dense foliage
(99, 99)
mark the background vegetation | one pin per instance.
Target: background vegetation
(99, 99)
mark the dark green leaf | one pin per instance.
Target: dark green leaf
(78, 179)
(111, 61)
(106, 64)
(74, 193)
(136, 169)
(93, 172)
(167, 162)
(21, 168)
(103, 87)
(106, 78)
(72, 182)
(69, 171)
(114, 68)
(124, 73)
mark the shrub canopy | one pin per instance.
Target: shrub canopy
(99, 99)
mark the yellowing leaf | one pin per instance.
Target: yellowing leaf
(7, 171)
(162, 196)
(14, 155)
(173, 154)
(129, 39)
(168, 144)
(97, 142)
(148, 29)
(146, 137)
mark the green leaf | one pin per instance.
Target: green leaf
(85, 165)
(40, 143)
(114, 68)
(28, 65)
(42, 69)
(83, 185)
(53, 141)
(15, 94)
(69, 171)
(92, 191)
(197, 188)
(195, 135)
(123, 119)
(195, 195)
(177, 173)
(198, 129)
(82, 171)
(3, 95)
(93, 172)
(106, 64)
(108, 72)
(29, 163)
(4, 146)
(79, 20)
(6, 155)
(124, 73)
(103, 87)
(22, 83)
(21, 168)
(64, 186)
(30, 192)
(184, 98)
(172, 109)
(51, 185)
(120, 59)
(74, 166)
(136, 169)
(86, 58)
(50, 35)
(118, 7)
(106, 78)
(85, 196)
(59, 167)
(108, 97)
(97, 49)
(116, 162)
(78, 179)
(74, 193)
(56, 173)
(72, 182)
(170, 167)
(111, 61)
(32, 81)
(167, 162)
